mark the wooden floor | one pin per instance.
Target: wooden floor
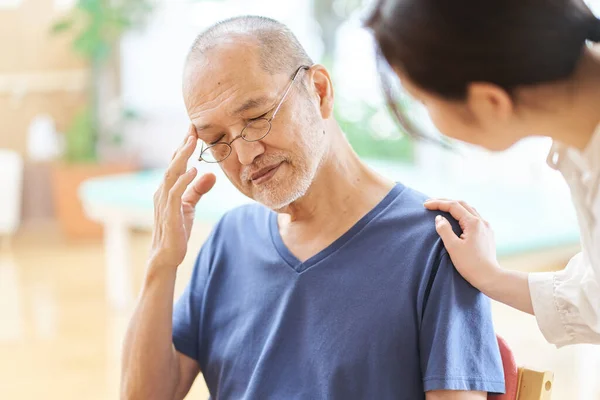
(59, 340)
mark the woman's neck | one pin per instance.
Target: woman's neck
(574, 104)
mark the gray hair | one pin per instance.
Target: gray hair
(280, 50)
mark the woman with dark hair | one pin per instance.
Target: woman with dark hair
(492, 72)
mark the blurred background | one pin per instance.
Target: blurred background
(90, 113)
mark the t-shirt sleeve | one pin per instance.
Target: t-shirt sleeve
(458, 345)
(188, 308)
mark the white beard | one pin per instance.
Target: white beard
(272, 195)
(276, 199)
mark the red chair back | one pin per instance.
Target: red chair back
(511, 373)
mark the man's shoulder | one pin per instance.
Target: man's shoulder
(408, 215)
(409, 204)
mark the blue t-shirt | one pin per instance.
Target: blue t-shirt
(379, 314)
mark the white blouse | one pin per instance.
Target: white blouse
(567, 303)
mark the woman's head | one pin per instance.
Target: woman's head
(466, 60)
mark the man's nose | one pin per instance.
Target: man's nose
(248, 151)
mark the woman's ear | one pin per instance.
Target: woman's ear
(321, 82)
(489, 104)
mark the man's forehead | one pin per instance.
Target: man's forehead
(240, 107)
(228, 81)
(224, 68)
(238, 92)
(230, 99)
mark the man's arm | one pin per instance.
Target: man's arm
(188, 371)
(152, 368)
(455, 395)
(458, 345)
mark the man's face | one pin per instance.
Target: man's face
(227, 90)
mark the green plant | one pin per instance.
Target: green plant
(369, 138)
(368, 142)
(97, 26)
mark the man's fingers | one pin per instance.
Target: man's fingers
(190, 133)
(453, 207)
(444, 229)
(176, 192)
(179, 164)
(199, 188)
(181, 146)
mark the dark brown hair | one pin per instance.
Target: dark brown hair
(443, 45)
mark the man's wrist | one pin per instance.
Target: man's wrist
(157, 270)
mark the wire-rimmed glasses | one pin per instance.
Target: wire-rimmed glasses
(257, 129)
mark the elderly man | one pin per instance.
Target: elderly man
(335, 286)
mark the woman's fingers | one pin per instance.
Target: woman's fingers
(470, 209)
(455, 208)
(433, 204)
(473, 253)
(444, 229)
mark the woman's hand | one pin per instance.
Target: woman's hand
(474, 252)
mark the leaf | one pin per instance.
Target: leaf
(85, 44)
(129, 114)
(91, 44)
(91, 6)
(361, 138)
(80, 138)
(98, 24)
(62, 26)
(117, 139)
(103, 51)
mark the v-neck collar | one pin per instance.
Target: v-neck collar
(300, 266)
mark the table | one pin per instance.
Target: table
(524, 217)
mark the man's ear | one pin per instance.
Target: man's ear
(323, 89)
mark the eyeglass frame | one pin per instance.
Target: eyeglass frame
(269, 121)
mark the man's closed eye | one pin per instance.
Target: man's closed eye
(215, 141)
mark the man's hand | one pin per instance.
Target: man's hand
(175, 204)
(152, 368)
